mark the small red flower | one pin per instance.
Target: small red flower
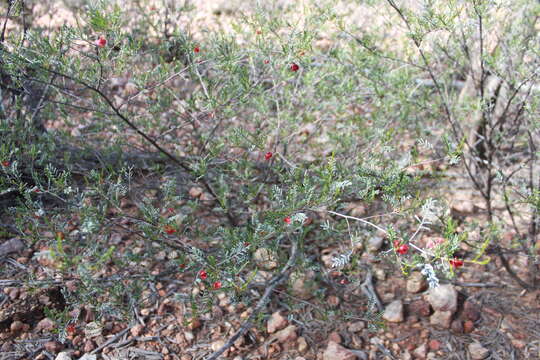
(343, 281)
(287, 220)
(5, 163)
(396, 243)
(268, 155)
(294, 67)
(182, 266)
(101, 42)
(203, 275)
(456, 263)
(70, 329)
(258, 32)
(196, 49)
(402, 250)
(217, 285)
(170, 210)
(169, 229)
(266, 61)
(36, 190)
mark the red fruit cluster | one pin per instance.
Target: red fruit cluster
(401, 249)
(203, 275)
(101, 42)
(196, 49)
(268, 155)
(169, 229)
(294, 67)
(456, 263)
(287, 220)
(217, 285)
(5, 163)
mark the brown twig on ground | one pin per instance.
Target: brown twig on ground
(369, 290)
(275, 281)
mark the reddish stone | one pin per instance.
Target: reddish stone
(434, 345)
(468, 326)
(420, 308)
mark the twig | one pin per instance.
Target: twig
(369, 290)
(111, 340)
(262, 302)
(481, 285)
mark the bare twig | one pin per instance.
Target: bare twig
(275, 281)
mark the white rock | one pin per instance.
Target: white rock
(441, 318)
(64, 355)
(443, 298)
(393, 311)
(478, 352)
(416, 283)
(88, 357)
(374, 243)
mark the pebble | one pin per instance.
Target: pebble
(45, 324)
(334, 351)
(375, 243)
(441, 318)
(357, 326)
(53, 346)
(16, 326)
(420, 352)
(276, 322)
(64, 355)
(137, 330)
(420, 308)
(477, 351)
(393, 311)
(443, 298)
(265, 258)
(301, 344)
(287, 334)
(416, 283)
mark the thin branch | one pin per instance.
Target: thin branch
(262, 302)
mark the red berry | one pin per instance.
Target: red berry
(217, 285)
(169, 229)
(182, 266)
(402, 250)
(294, 67)
(456, 263)
(396, 243)
(70, 329)
(266, 61)
(268, 155)
(101, 42)
(196, 49)
(343, 281)
(287, 220)
(5, 163)
(203, 275)
(258, 32)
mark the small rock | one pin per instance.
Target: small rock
(470, 311)
(457, 326)
(416, 283)
(16, 326)
(53, 346)
(302, 284)
(137, 330)
(434, 345)
(89, 346)
(335, 337)
(265, 258)
(374, 243)
(357, 326)
(468, 326)
(394, 311)
(216, 345)
(88, 357)
(276, 322)
(45, 324)
(287, 334)
(441, 318)
(333, 301)
(420, 352)
(301, 344)
(64, 355)
(443, 298)
(334, 351)
(195, 192)
(420, 308)
(189, 336)
(477, 351)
